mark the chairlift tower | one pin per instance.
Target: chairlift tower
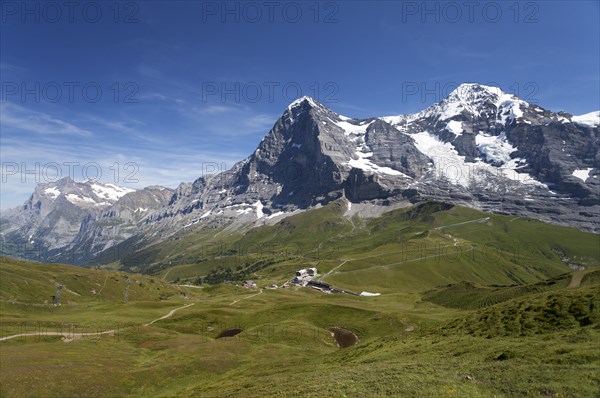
(59, 288)
(126, 295)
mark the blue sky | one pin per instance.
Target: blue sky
(192, 86)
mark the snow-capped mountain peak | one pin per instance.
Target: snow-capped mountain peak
(301, 100)
(82, 194)
(475, 93)
(477, 101)
(301, 106)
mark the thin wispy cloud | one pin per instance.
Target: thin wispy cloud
(215, 109)
(218, 120)
(107, 154)
(9, 67)
(20, 118)
(159, 97)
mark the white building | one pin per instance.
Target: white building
(249, 285)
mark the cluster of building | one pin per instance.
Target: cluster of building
(304, 275)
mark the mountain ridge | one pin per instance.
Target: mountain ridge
(479, 147)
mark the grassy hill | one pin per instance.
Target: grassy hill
(468, 295)
(411, 249)
(536, 313)
(35, 283)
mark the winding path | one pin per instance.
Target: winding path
(69, 336)
(247, 297)
(333, 269)
(66, 335)
(462, 223)
(576, 279)
(455, 244)
(169, 314)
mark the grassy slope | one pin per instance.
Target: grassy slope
(439, 329)
(407, 249)
(468, 295)
(286, 350)
(35, 282)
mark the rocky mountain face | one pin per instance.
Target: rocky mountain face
(492, 147)
(479, 147)
(70, 221)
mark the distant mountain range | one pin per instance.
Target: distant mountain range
(479, 147)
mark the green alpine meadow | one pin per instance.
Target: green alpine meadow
(469, 304)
